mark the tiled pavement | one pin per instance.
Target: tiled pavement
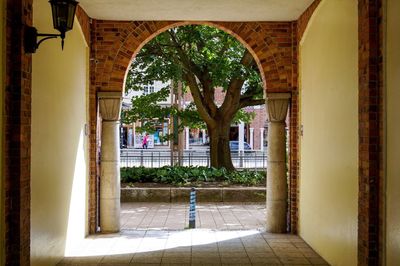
(152, 244)
(146, 216)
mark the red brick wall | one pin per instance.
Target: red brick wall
(87, 28)
(117, 42)
(17, 134)
(94, 170)
(303, 20)
(84, 22)
(293, 188)
(370, 202)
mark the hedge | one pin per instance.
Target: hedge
(181, 175)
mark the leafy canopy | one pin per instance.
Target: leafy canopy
(213, 57)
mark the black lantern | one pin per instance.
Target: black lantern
(63, 12)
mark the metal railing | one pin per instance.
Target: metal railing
(149, 158)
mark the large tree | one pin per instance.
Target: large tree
(201, 58)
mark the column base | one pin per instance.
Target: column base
(276, 217)
(110, 215)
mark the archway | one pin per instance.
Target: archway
(273, 66)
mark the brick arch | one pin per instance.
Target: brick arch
(116, 44)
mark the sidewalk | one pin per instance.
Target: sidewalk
(151, 235)
(220, 216)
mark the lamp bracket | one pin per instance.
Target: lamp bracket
(31, 42)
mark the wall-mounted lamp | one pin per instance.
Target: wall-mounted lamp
(63, 20)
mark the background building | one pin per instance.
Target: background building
(254, 132)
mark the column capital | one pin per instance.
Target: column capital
(277, 106)
(110, 105)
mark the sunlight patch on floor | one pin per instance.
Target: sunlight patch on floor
(150, 241)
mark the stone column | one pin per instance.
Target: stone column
(110, 106)
(277, 186)
(187, 138)
(252, 138)
(261, 139)
(204, 135)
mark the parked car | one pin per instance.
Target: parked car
(234, 146)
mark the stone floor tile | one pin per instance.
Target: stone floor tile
(174, 216)
(177, 254)
(146, 260)
(231, 249)
(233, 254)
(201, 254)
(63, 263)
(144, 264)
(317, 261)
(205, 264)
(300, 244)
(206, 260)
(216, 246)
(179, 249)
(294, 261)
(286, 250)
(260, 248)
(261, 255)
(176, 260)
(264, 261)
(80, 263)
(176, 264)
(286, 254)
(124, 258)
(113, 264)
(83, 260)
(266, 264)
(282, 245)
(238, 261)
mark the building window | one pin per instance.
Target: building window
(147, 89)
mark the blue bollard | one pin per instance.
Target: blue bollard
(192, 208)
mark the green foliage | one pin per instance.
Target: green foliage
(243, 116)
(208, 49)
(181, 176)
(210, 55)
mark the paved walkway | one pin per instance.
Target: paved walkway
(152, 235)
(161, 216)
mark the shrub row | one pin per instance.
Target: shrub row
(181, 175)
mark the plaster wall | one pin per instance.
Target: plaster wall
(2, 86)
(329, 144)
(59, 175)
(393, 133)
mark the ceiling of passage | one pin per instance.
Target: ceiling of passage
(196, 10)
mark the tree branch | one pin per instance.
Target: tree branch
(184, 59)
(198, 99)
(232, 96)
(208, 92)
(251, 102)
(193, 70)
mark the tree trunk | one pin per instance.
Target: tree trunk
(220, 155)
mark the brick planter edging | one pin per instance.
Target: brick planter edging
(172, 194)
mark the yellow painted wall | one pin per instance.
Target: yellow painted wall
(59, 145)
(393, 133)
(329, 146)
(2, 86)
